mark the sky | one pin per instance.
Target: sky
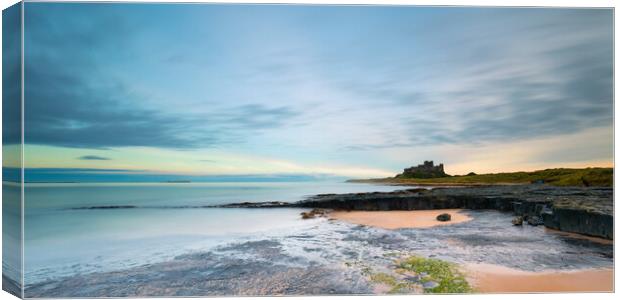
(355, 91)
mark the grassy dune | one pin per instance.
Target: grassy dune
(559, 177)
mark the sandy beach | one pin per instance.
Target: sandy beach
(490, 278)
(487, 278)
(396, 219)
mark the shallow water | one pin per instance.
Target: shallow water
(330, 257)
(62, 241)
(200, 252)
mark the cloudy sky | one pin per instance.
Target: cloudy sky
(355, 91)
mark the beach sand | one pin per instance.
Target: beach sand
(579, 236)
(396, 219)
(487, 278)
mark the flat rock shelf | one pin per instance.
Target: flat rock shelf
(583, 210)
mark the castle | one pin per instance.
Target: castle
(426, 170)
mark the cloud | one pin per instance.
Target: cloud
(93, 157)
(539, 74)
(84, 170)
(11, 79)
(74, 100)
(315, 93)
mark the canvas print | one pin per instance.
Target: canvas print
(162, 149)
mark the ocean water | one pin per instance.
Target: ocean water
(166, 246)
(62, 241)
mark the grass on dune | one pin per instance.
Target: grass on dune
(558, 177)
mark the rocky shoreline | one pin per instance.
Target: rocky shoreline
(582, 210)
(326, 257)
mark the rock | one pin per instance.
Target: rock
(307, 215)
(268, 204)
(584, 210)
(315, 212)
(318, 212)
(430, 285)
(534, 221)
(444, 217)
(517, 221)
(582, 221)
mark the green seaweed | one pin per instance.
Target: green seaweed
(391, 281)
(445, 274)
(383, 278)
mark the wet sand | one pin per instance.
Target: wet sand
(396, 219)
(579, 236)
(487, 278)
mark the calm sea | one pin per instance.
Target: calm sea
(61, 240)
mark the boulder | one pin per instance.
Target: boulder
(444, 217)
(316, 212)
(517, 221)
(534, 221)
(430, 285)
(307, 215)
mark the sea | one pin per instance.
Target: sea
(158, 239)
(79, 228)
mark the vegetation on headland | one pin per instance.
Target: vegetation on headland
(558, 177)
(431, 275)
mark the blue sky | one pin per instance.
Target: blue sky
(356, 91)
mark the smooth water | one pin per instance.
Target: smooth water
(61, 240)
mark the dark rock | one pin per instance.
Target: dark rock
(318, 212)
(584, 210)
(430, 285)
(517, 221)
(107, 207)
(315, 212)
(444, 217)
(269, 204)
(580, 221)
(534, 221)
